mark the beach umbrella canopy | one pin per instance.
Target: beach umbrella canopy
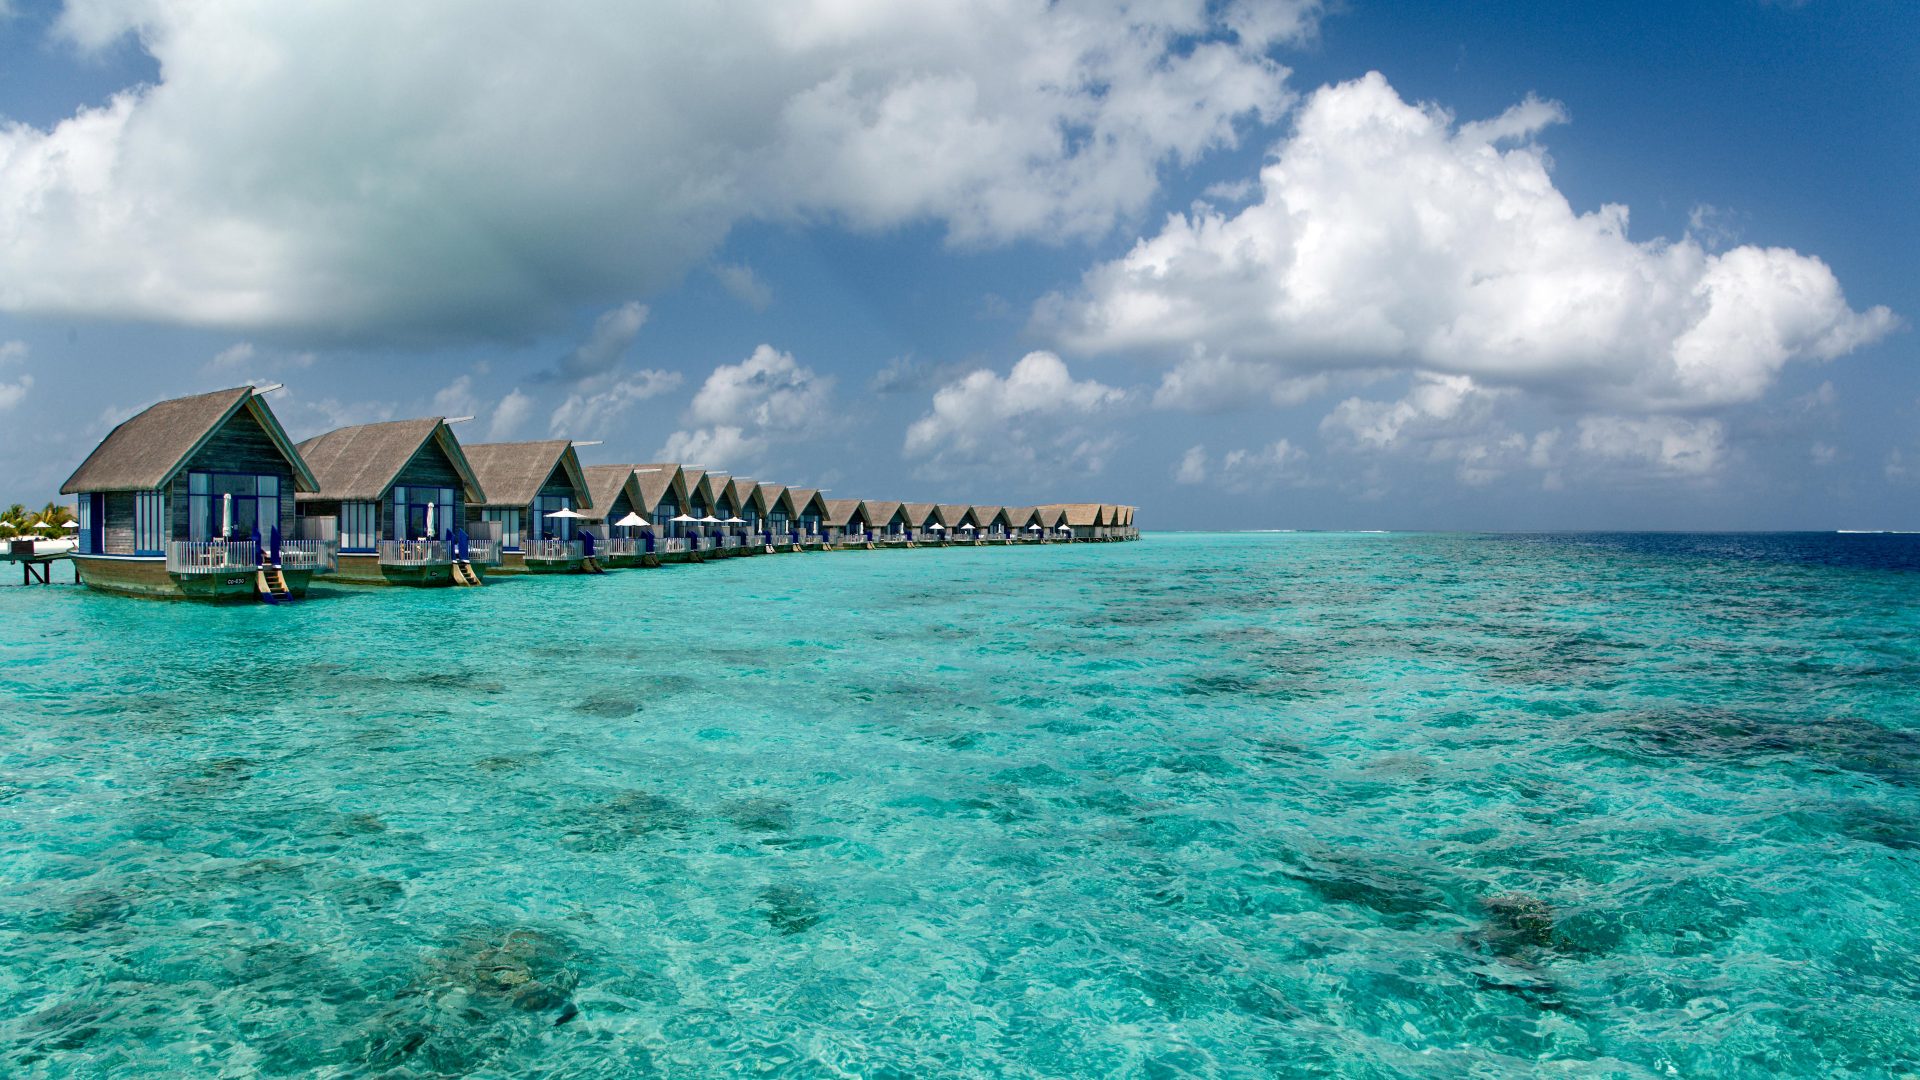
(70, 524)
(1033, 528)
(937, 527)
(632, 520)
(735, 521)
(709, 520)
(684, 517)
(1064, 528)
(43, 524)
(9, 525)
(563, 512)
(968, 527)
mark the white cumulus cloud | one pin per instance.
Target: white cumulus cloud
(743, 409)
(1389, 236)
(429, 170)
(985, 411)
(591, 413)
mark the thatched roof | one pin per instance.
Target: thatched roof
(606, 483)
(1049, 516)
(983, 516)
(145, 451)
(773, 498)
(361, 463)
(513, 473)
(921, 515)
(741, 492)
(952, 514)
(882, 514)
(808, 497)
(841, 513)
(1019, 517)
(699, 484)
(1079, 514)
(657, 480)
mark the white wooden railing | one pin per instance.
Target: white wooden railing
(622, 546)
(211, 556)
(671, 543)
(484, 552)
(553, 549)
(319, 556)
(414, 553)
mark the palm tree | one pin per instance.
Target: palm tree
(15, 515)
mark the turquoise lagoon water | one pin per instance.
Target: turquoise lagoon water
(1239, 805)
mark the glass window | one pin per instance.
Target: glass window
(233, 506)
(509, 521)
(359, 526)
(149, 523)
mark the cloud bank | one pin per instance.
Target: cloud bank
(355, 171)
(1386, 236)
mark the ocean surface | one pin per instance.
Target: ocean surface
(1203, 805)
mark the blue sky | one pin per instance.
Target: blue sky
(930, 256)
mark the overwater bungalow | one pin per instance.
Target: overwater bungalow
(810, 515)
(194, 497)
(700, 501)
(616, 522)
(527, 484)
(394, 497)
(1084, 521)
(1053, 523)
(739, 516)
(663, 497)
(888, 522)
(847, 523)
(954, 515)
(921, 519)
(991, 523)
(1023, 523)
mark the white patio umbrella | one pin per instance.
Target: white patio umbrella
(1033, 528)
(1064, 528)
(431, 507)
(43, 524)
(9, 525)
(563, 512)
(70, 524)
(226, 515)
(968, 527)
(633, 520)
(937, 527)
(735, 521)
(684, 517)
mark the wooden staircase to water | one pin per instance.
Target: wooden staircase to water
(272, 586)
(465, 574)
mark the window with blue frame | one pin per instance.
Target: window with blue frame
(85, 506)
(150, 523)
(663, 515)
(359, 526)
(231, 506)
(543, 527)
(421, 512)
(509, 522)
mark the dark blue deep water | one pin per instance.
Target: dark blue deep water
(1229, 805)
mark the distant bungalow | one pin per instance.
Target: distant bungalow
(990, 522)
(614, 495)
(777, 525)
(699, 508)
(1084, 521)
(394, 496)
(194, 497)
(887, 521)
(526, 484)
(847, 523)
(810, 515)
(921, 519)
(663, 497)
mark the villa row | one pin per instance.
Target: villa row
(207, 497)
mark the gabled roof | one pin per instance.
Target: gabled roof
(145, 451)
(882, 514)
(841, 513)
(921, 515)
(605, 484)
(1075, 513)
(657, 480)
(1049, 516)
(698, 483)
(513, 473)
(773, 499)
(361, 463)
(953, 514)
(1019, 517)
(984, 516)
(805, 497)
(740, 491)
